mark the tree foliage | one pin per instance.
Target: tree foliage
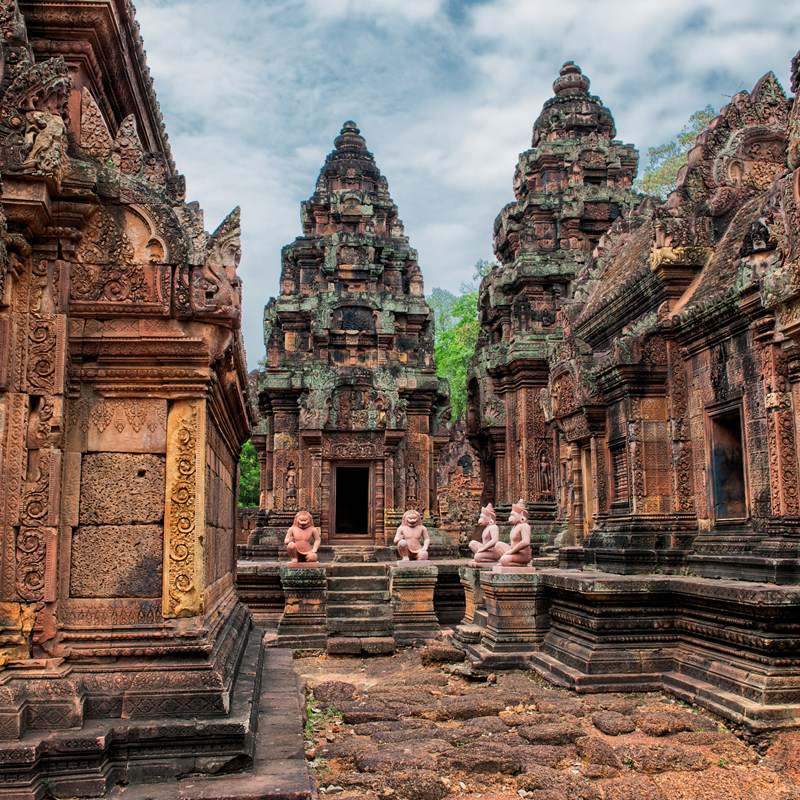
(249, 476)
(457, 326)
(455, 345)
(664, 161)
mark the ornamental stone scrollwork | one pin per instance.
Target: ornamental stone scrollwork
(352, 446)
(105, 268)
(119, 262)
(127, 152)
(96, 139)
(184, 521)
(316, 402)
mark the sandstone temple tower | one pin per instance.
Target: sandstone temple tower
(125, 652)
(569, 187)
(353, 410)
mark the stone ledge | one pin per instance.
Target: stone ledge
(729, 646)
(93, 760)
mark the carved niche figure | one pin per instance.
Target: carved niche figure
(45, 141)
(518, 552)
(545, 475)
(412, 483)
(290, 487)
(302, 539)
(412, 537)
(486, 551)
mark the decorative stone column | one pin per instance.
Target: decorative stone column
(412, 586)
(303, 624)
(516, 617)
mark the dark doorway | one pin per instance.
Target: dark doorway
(727, 466)
(352, 501)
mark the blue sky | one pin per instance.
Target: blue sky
(445, 92)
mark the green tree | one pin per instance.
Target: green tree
(665, 160)
(442, 302)
(457, 326)
(454, 347)
(249, 476)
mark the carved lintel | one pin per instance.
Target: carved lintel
(184, 517)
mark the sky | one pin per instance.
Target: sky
(445, 92)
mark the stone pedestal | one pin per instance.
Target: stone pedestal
(468, 632)
(412, 586)
(258, 584)
(303, 624)
(516, 617)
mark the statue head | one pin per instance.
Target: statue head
(412, 518)
(488, 515)
(303, 519)
(518, 512)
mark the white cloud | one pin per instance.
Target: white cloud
(445, 91)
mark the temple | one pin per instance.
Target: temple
(635, 358)
(125, 652)
(569, 188)
(619, 511)
(353, 413)
(661, 377)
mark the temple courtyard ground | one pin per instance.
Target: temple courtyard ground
(410, 727)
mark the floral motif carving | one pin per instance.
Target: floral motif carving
(105, 268)
(185, 505)
(95, 137)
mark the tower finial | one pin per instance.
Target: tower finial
(350, 137)
(571, 80)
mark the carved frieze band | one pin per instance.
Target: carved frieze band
(184, 518)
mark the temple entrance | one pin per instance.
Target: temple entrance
(727, 465)
(351, 503)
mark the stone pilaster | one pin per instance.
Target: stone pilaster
(303, 624)
(184, 518)
(469, 631)
(412, 588)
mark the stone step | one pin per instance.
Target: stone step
(357, 584)
(338, 569)
(345, 596)
(359, 627)
(361, 645)
(361, 610)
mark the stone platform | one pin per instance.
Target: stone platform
(353, 606)
(261, 733)
(729, 646)
(278, 771)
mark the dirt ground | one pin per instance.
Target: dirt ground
(397, 727)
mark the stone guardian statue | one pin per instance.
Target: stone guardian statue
(412, 537)
(302, 539)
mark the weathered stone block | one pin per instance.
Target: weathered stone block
(131, 425)
(117, 561)
(412, 589)
(303, 624)
(516, 616)
(16, 624)
(138, 489)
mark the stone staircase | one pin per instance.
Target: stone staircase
(359, 611)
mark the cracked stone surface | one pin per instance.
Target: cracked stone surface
(404, 727)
